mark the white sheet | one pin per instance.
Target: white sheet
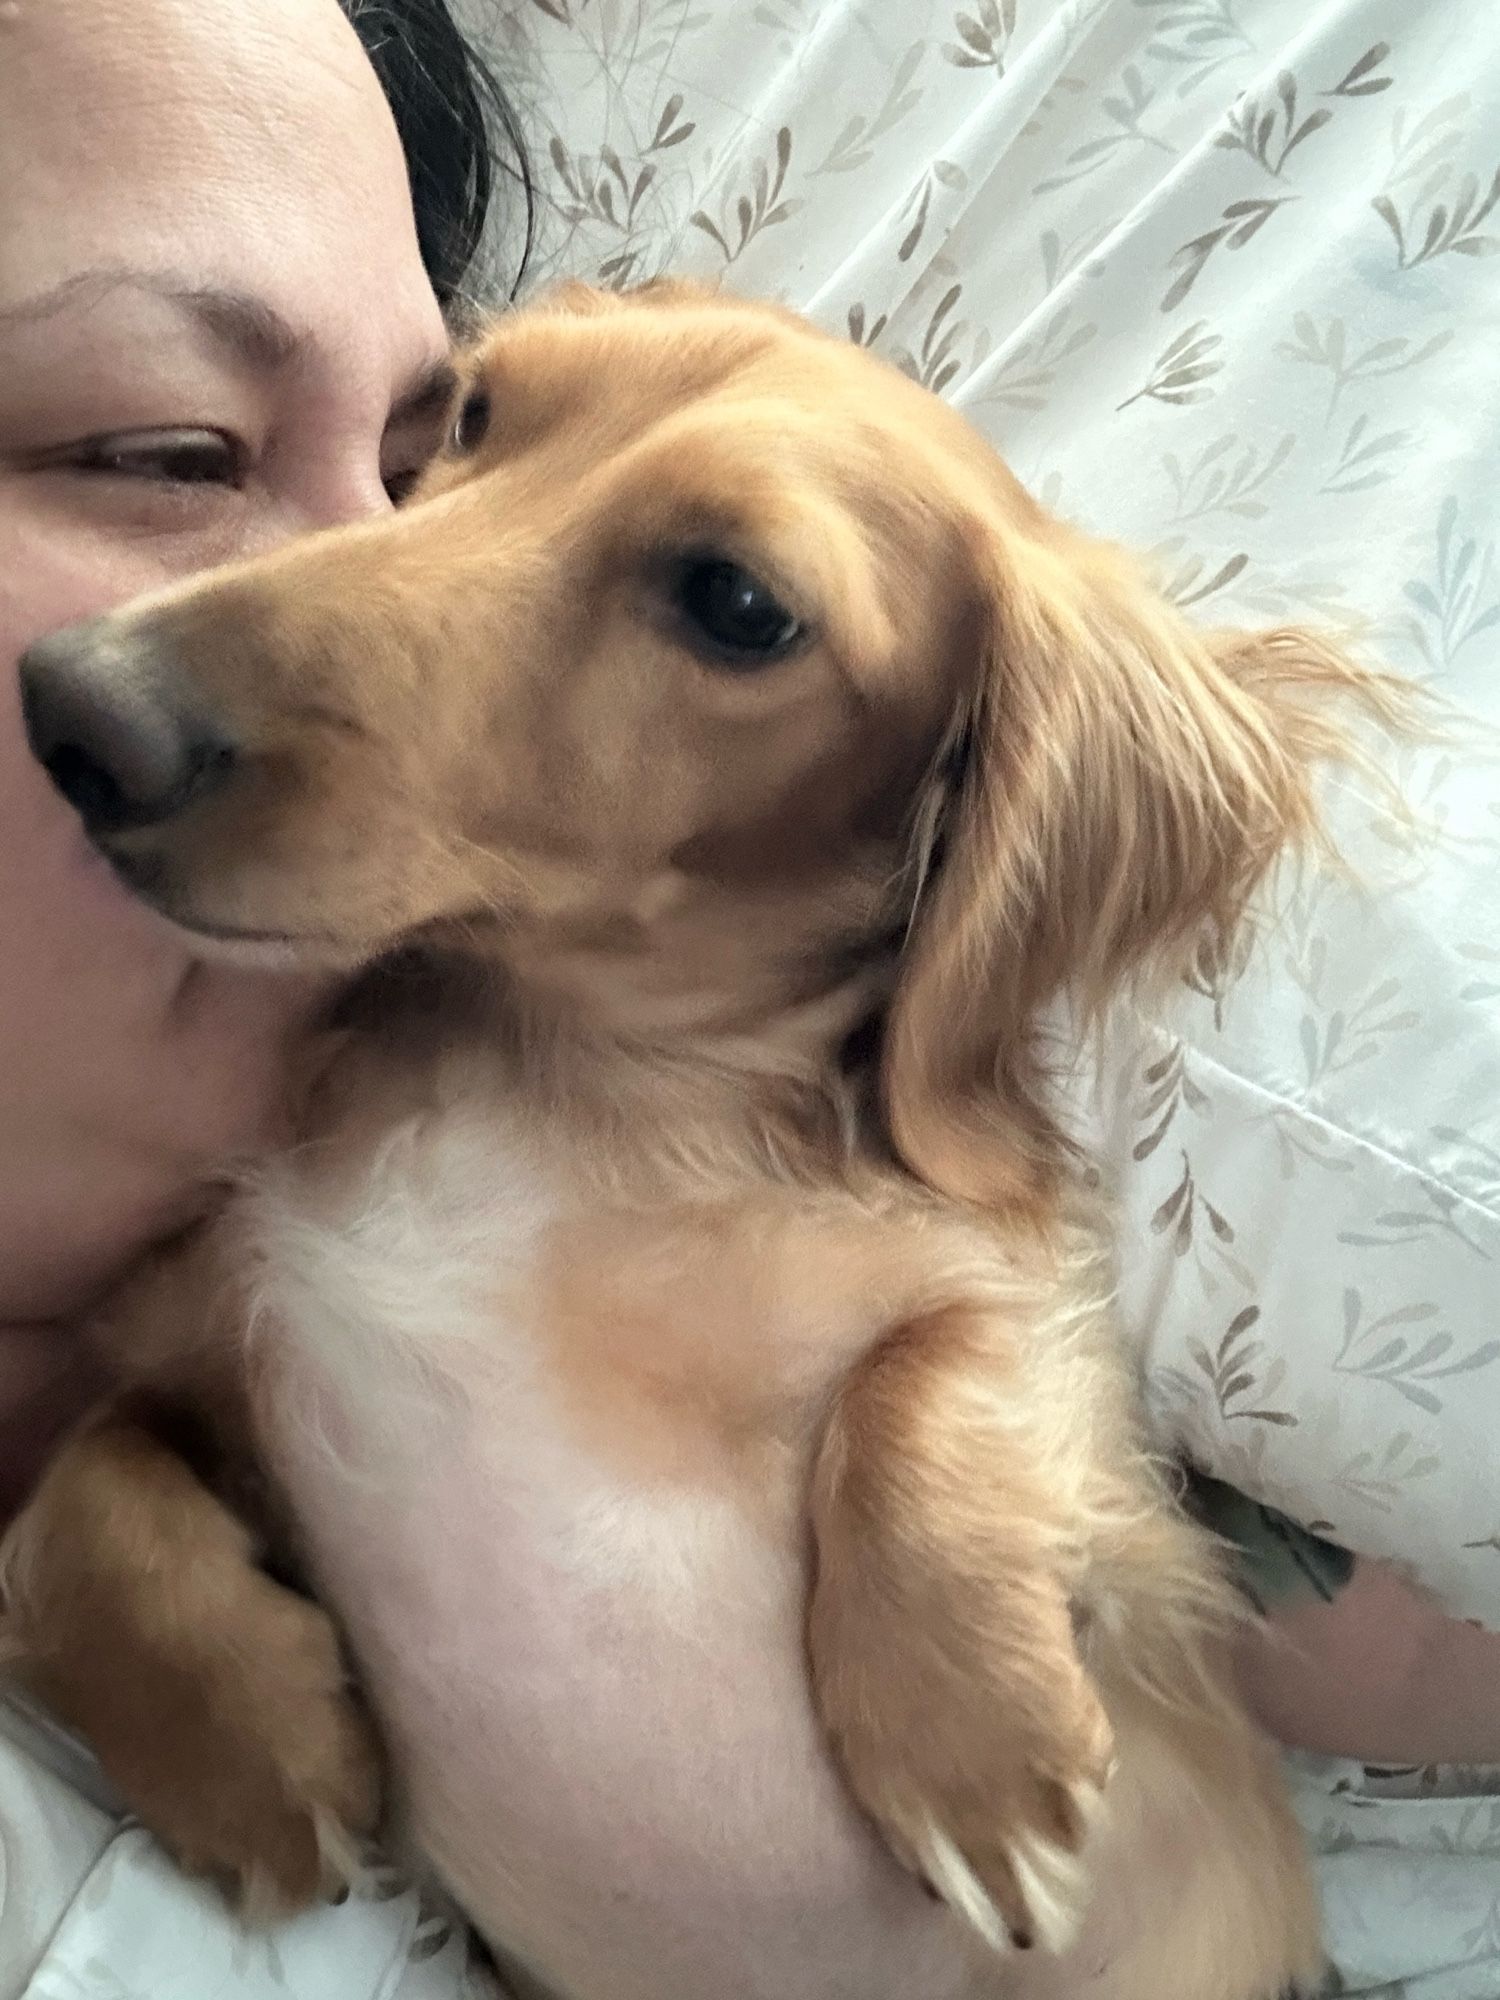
(91, 1909)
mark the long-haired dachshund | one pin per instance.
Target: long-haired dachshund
(720, 762)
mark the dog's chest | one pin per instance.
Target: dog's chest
(457, 1270)
(549, 1462)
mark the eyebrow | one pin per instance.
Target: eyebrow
(251, 333)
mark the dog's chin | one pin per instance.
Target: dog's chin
(257, 949)
(264, 951)
(265, 947)
(288, 948)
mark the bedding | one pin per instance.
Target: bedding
(91, 1909)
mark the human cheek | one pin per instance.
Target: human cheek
(55, 577)
(51, 582)
(53, 889)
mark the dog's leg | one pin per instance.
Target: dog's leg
(216, 1699)
(945, 1659)
(1007, 1609)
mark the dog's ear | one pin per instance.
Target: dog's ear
(1116, 784)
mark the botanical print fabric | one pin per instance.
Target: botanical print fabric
(91, 1909)
(1409, 1868)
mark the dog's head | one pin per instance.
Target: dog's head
(711, 659)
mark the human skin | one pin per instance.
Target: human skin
(201, 144)
(246, 149)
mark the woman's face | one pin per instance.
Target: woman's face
(215, 332)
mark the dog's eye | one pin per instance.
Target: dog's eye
(745, 624)
(471, 423)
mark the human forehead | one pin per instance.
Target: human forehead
(134, 90)
(249, 145)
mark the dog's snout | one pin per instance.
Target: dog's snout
(104, 720)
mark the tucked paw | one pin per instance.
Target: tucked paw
(270, 1777)
(984, 1765)
(1018, 1880)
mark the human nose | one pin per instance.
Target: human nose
(337, 499)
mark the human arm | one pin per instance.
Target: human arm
(1379, 1674)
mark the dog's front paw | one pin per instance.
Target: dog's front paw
(979, 1748)
(1011, 1863)
(270, 1778)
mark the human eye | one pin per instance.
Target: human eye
(172, 458)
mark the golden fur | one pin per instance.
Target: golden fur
(736, 975)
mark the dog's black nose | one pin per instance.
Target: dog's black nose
(102, 720)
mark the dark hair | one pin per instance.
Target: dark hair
(457, 128)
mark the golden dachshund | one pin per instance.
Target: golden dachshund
(711, 773)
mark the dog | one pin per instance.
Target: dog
(710, 775)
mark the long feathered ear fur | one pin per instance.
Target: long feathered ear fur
(1118, 783)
